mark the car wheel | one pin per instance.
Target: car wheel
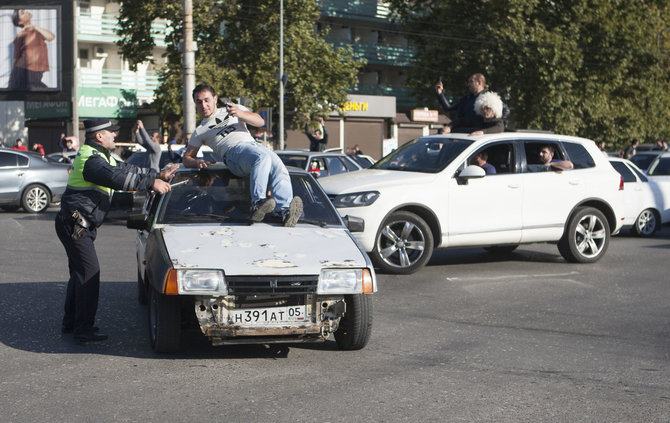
(141, 289)
(646, 223)
(10, 208)
(164, 322)
(501, 249)
(404, 243)
(35, 199)
(586, 237)
(355, 326)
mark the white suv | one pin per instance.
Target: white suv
(427, 195)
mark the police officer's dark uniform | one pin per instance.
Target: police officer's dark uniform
(94, 177)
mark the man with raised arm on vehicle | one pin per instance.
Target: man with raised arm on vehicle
(225, 131)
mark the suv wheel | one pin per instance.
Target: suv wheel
(164, 322)
(646, 223)
(586, 237)
(355, 326)
(404, 243)
(35, 199)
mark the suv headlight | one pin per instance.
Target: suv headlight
(357, 199)
(201, 282)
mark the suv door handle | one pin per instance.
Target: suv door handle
(574, 182)
(513, 186)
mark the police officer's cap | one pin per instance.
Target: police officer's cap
(98, 124)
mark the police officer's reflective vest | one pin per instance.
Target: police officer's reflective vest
(76, 179)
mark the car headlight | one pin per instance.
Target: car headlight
(340, 281)
(191, 281)
(357, 199)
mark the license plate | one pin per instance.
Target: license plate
(268, 316)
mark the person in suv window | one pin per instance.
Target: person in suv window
(547, 161)
(480, 159)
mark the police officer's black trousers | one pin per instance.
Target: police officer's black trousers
(81, 300)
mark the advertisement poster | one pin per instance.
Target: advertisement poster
(29, 49)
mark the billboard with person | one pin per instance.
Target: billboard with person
(30, 46)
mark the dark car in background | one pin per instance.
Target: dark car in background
(30, 181)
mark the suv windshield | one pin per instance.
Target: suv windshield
(207, 196)
(429, 155)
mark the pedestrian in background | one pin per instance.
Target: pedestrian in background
(38, 148)
(151, 144)
(93, 178)
(631, 150)
(465, 106)
(18, 145)
(318, 138)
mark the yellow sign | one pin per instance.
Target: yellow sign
(354, 106)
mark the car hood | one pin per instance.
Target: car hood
(261, 249)
(373, 180)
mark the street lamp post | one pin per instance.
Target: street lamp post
(188, 66)
(281, 74)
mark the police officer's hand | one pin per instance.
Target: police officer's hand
(168, 172)
(160, 186)
(439, 87)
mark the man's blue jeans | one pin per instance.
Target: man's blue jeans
(263, 167)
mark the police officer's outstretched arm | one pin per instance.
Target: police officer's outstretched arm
(124, 176)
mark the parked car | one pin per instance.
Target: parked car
(29, 181)
(199, 258)
(644, 159)
(363, 160)
(328, 163)
(645, 208)
(427, 195)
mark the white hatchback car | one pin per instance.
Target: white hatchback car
(645, 199)
(427, 195)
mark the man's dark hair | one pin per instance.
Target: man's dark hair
(550, 147)
(15, 18)
(203, 87)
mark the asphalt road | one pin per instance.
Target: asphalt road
(472, 337)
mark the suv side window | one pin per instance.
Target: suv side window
(500, 156)
(578, 155)
(532, 152)
(335, 166)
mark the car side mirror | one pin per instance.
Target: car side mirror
(470, 172)
(354, 224)
(137, 221)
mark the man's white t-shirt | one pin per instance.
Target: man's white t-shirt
(226, 133)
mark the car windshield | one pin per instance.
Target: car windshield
(207, 196)
(661, 167)
(429, 155)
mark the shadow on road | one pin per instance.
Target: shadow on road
(32, 313)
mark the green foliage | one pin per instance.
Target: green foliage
(238, 54)
(591, 68)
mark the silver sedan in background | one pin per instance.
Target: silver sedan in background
(30, 181)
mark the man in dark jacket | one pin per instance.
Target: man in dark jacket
(319, 138)
(92, 181)
(465, 106)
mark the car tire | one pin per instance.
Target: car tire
(9, 208)
(404, 243)
(646, 223)
(164, 322)
(141, 289)
(353, 332)
(586, 237)
(35, 199)
(501, 249)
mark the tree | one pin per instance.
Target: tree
(583, 67)
(238, 54)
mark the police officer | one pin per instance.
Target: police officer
(94, 177)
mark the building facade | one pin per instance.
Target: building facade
(98, 82)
